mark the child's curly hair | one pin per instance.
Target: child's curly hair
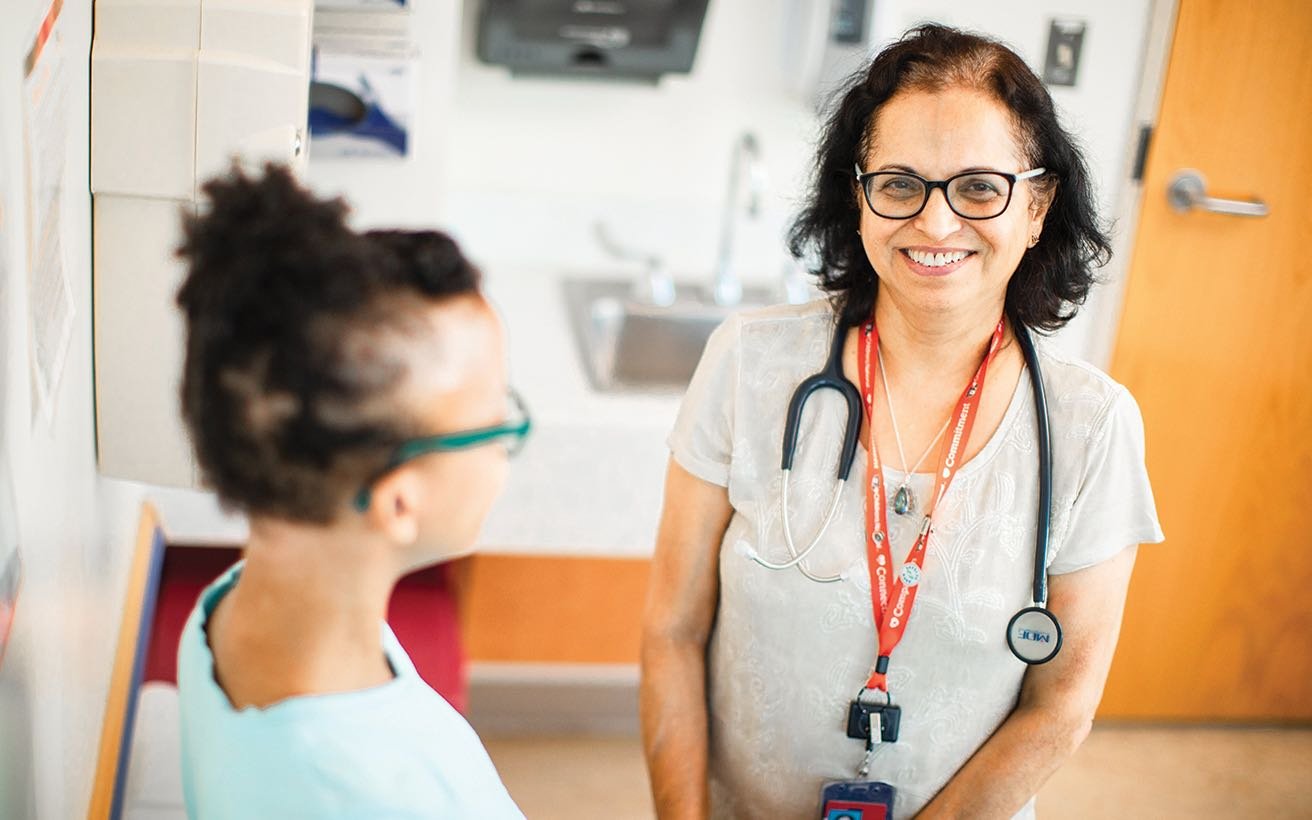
(285, 383)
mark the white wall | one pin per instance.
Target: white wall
(520, 169)
(529, 164)
(397, 193)
(75, 528)
(534, 162)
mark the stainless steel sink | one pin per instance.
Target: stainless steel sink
(627, 345)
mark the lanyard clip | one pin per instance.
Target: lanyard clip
(875, 732)
(874, 723)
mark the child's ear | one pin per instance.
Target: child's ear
(394, 506)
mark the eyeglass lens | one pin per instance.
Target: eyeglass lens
(980, 195)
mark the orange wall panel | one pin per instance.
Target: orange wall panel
(536, 609)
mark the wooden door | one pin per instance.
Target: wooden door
(1216, 344)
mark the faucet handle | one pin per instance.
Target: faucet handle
(622, 252)
(727, 291)
(655, 286)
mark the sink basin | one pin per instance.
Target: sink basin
(627, 345)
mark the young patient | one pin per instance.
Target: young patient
(347, 392)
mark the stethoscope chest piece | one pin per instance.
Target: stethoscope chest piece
(1034, 635)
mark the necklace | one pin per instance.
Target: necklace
(904, 501)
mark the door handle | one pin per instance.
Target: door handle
(1188, 190)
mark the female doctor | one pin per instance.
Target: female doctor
(948, 209)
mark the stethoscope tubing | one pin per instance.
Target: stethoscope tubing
(797, 558)
(1043, 528)
(831, 377)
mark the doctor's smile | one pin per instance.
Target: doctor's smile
(935, 261)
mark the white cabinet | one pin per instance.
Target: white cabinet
(178, 88)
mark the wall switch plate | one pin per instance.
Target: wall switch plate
(1065, 40)
(850, 22)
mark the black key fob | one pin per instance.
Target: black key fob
(873, 722)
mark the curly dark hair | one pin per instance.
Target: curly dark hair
(287, 370)
(1053, 278)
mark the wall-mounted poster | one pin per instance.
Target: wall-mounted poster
(45, 128)
(362, 97)
(11, 568)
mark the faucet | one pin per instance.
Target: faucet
(727, 288)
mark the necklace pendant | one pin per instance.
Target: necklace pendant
(902, 500)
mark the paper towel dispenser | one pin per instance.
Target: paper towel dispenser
(637, 40)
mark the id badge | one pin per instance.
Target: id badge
(856, 800)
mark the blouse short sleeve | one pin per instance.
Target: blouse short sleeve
(702, 438)
(1113, 506)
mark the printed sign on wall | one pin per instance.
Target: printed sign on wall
(362, 94)
(45, 144)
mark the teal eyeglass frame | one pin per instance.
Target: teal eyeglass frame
(515, 432)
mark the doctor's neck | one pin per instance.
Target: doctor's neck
(941, 340)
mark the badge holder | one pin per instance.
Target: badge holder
(856, 801)
(861, 799)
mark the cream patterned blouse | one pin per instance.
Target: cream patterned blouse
(787, 655)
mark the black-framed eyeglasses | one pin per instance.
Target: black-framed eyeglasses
(511, 433)
(970, 195)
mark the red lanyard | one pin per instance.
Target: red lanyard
(891, 620)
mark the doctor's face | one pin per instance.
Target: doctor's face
(938, 260)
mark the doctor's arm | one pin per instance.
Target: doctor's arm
(681, 602)
(1057, 700)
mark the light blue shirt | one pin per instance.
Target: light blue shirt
(397, 751)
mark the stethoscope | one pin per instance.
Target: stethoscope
(1033, 634)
